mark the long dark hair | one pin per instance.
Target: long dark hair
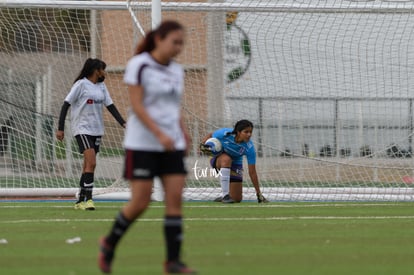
(148, 43)
(91, 65)
(241, 125)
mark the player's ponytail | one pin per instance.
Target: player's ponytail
(91, 64)
(241, 125)
(148, 43)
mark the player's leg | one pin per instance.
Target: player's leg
(173, 224)
(173, 187)
(223, 164)
(172, 175)
(139, 170)
(140, 199)
(87, 147)
(236, 182)
(214, 165)
(236, 191)
(89, 158)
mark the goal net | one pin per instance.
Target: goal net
(326, 84)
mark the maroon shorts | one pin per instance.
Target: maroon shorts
(147, 165)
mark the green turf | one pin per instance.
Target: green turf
(246, 238)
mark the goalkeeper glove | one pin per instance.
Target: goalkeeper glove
(206, 149)
(260, 198)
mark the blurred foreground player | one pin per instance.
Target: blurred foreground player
(155, 142)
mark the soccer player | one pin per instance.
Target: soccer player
(155, 142)
(236, 144)
(87, 97)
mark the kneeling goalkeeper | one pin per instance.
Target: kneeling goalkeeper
(236, 144)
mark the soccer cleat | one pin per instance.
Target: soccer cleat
(219, 199)
(105, 257)
(89, 205)
(79, 206)
(177, 267)
(227, 199)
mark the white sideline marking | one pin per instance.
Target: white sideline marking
(218, 219)
(218, 205)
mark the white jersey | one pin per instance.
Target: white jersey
(86, 101)
(163, 88)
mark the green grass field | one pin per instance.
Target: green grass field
(246, 238)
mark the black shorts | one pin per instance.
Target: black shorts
(147, 165)
(88, 142)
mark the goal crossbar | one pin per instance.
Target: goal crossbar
(280, 6)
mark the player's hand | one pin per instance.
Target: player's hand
(167, 142)
(60, 135)
(261, 198)
(206, 149)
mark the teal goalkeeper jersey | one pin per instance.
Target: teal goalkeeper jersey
(235, 150)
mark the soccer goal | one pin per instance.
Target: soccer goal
(327, 84)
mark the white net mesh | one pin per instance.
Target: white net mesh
(42, 52)
(327, 85)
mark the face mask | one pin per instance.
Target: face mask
(101, 79)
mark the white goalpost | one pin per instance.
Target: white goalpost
(327, 85)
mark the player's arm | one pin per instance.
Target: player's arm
(255, 180)
(60, 134)
(187, 136)
(115, 113)
(219, 134)
(136, 96)
(204, 139)
(253, 177)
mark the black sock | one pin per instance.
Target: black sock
(173, 236)
(82, 194)
(88, 179)
(119, 228)
(82, 190)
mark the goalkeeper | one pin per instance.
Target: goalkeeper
(236, 144)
